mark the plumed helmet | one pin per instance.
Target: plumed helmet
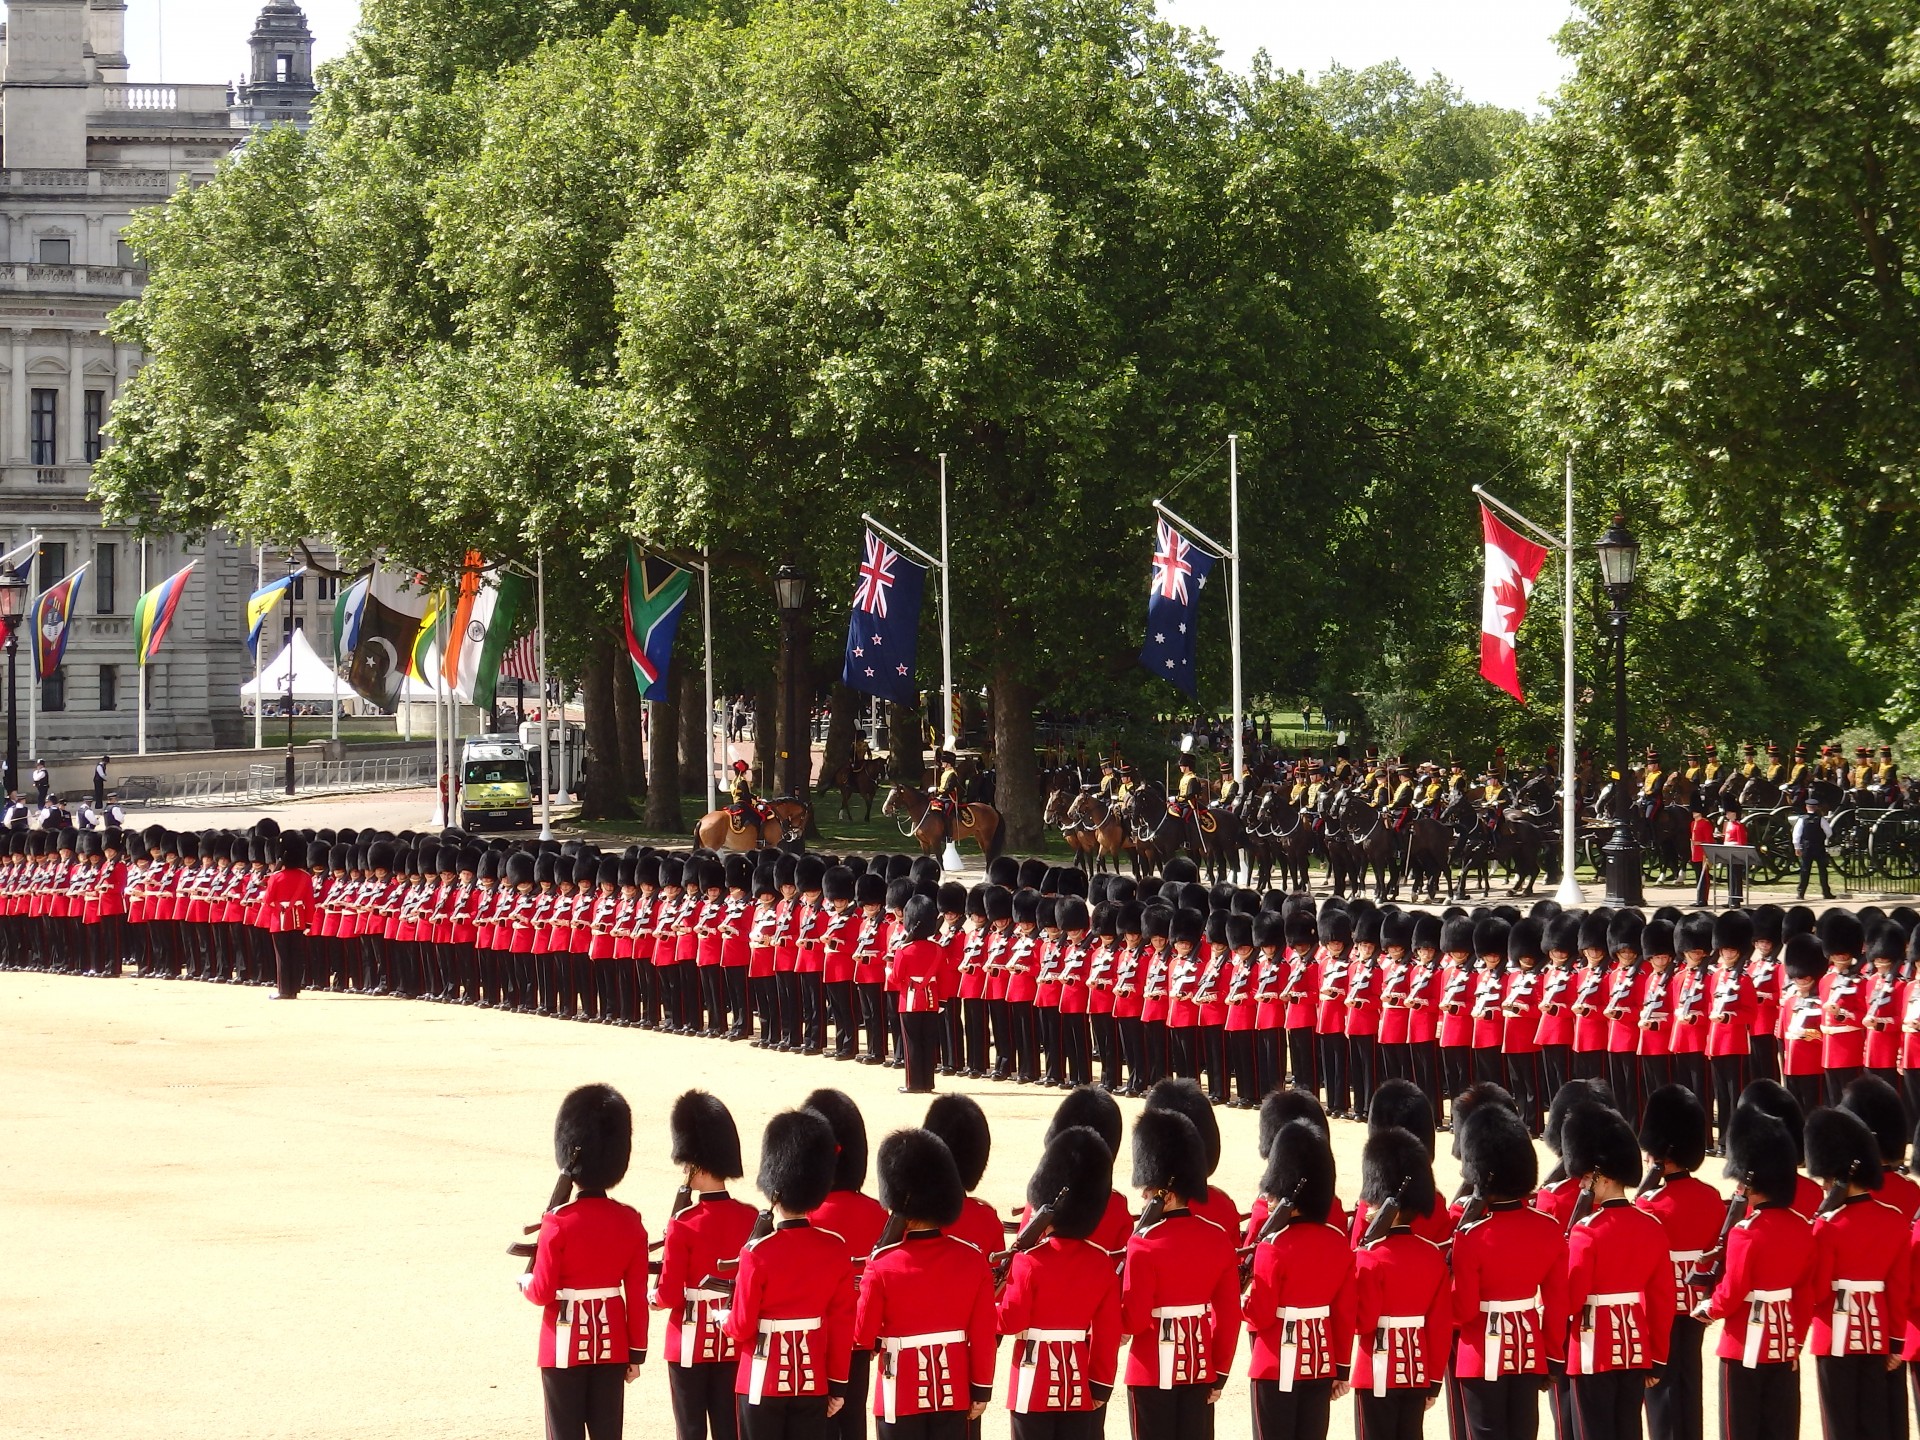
(1762, 1153)
(1841, 1149)
(1078, 1162)
(1300, 1165)
(1479, 1096)
(797, 1160)
(1191, 1101)
(1776, 1100)
(1673, 1127)
(1626, 930)
(1596, 1140)
(849, 1127)
(1879, 1108)
(1389, 1160)
(921, 918)
(918, 1178)
(1282, 1107)
(1574, 1092)
(1402, 1105)
(704, 1135)
(962, 1124)
(1733, 930)
(1802, 958)
(1090, 1108)
(1168, 1153)
(593, 1137)
(1496, 1154)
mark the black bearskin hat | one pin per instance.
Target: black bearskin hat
(1269, 929)
(1388, 1161)
(1773, 1098)
(1300, 1165)
(1526, 940)
(1490, 936)
(1402, 1105)
(1427, 930)
(953, 898)
(520, 866)
(959, 1120)
(1089, 1107)
(1181, 868)
(1563, 934)
(1762, 1153)
(1396, 930)
(1477, 1097)
(998, 904)
(1456, 936)
(1625, 930)
(704, 1135)
(1878, 1105)
(1168, 1152)
(1574, 1092)
(1077, 1161)
(1186, 926)
(1673, 1127)
(1841, 933)
(796, 1160)
(1282, 1106)
(1026, 907)
(1336, 926)
(837, 883)
(918, 1178)
(1190, 1100)
(1003, 871)
(1496, 1154)
(1733, 930)
(1841, 1149)
(1032, 872)
(921, 918)
(1695, 932)
(849, 1127)
(1803, 959)
(1595, 1139)
(593, 1137)
(1657, 938)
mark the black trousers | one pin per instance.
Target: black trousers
(1333, 1074)
(1058, 1424)
(1523, 1080)
(1133, 1047)
(713, 993)
(1503, 1409)
(813, 1006)
(921, 1031)
(1555, 1068)
(1654, 1071)
(1240, 1061)
(1000, 1018)
(1213, 1059)
(840, 1005)
(1676, 1406)
(1180, 1412)
(1026, 1041)
(736, 982)
(1301, 1413)
(1807, 862)
(1764, 1052)
(851, 1422)
(1046, 1029)
(692, 1000)
(1607, 1406)
(1456, 1072)
(1076, 1049)
(703, 1400)
(1839, 1077)
(1623, 1074)
(1759, 1404)
(1153, 1053)
(973, 1024)
(940, 1425)
(1806, 1091)
(1269, 1068)
(1301, 1057)
(1856, 1403)
(787, 985)
(289, 956)
(1396, 1062)
(953, 1040)
(1489, 1066)
(794, 1417)
(584, 1400)
(873, 1014)
(1588, 1065)
(1361, 1054)
(1423, 1058)
(1106, 1044)
(1396, 1415)
(1690, 1072)
(1729, 1079)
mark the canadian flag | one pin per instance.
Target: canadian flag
(1513, 564)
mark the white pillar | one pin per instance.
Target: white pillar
(259, 698)
(714, 763)
(1569, 892)
(946, 620)
(540, 655)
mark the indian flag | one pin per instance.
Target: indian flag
(153, 611)
(483, 618)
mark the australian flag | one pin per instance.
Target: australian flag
(885, 625)
(1180, 568)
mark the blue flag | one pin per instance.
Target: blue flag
(884, 628)
(1180, 569)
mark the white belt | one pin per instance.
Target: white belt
(1290, 1318)
(934, 1341)
(1758, 1302)
(563, 1319)
(1066, 1369)
(1500, 1320)
(757, 1371)
(692, 1324)
(1169, 1346)
(1844, 1307)
(1383, 1354)
(1611, 1300)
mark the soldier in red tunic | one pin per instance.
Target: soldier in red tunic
(1188, 1099)
(1061, 1302)
(856, 1221)
(1878, 1104)
(1673, 1136)
(1300, 1307)
(589, 1273)
(962, 1124)
(1403, 1296)
(923, 979)
(710, 1230)
(792, 1313)
(926, 1302)
(1620, 1284)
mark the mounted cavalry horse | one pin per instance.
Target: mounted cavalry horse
(1359, 836)
(1210, 834)
(912, 809)
(860, 778)
(1280, 832)
(1483, 839)
(1087, 822)
(728, 829)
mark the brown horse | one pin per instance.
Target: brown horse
(720, 830)
(911, 807)
(1092, 831)
(863, 781)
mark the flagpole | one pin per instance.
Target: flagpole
(706, 634)
(1569, 892)
(540, 649)
(259, 690)
(946, 617)
(1233, 608)
(140, 724)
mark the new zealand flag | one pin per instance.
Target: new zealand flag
(885, 625)
(1180, 569)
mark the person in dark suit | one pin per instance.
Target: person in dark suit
(1810, 844)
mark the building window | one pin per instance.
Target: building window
(56, 252)
(53, 564)
(326, 587)
(124, 257)
(299, 587)
(96, 417)
(45, 418)
(283, 68)
(109, 687)
(106, 565)
(53, 691)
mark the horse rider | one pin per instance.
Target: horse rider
(1231, 790)
(1652, 783)
(945, 799)
(1403, 799)
(1189, 798)
(1493, 798)
(860, 754)
(1109, 787)
(745, 802)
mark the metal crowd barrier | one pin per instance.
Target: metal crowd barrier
(260, 782)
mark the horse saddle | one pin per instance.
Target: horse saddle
(737, 817)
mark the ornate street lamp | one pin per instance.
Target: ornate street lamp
(1619, 561)
(13, 604)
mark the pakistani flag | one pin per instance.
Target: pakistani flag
(390, 616)
(654, 596)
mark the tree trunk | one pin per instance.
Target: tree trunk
(629, 711)
(906, 735)
(603, 791)
(693, 735)
(662, 815)
(843, 713)
(1016, 786)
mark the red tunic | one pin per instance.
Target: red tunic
(927, 1305)
(1363, 997)
(1844, 1003)
(920, 974)
(856, 1220)
(1062, 1306)
(1423, 1019)
(1691, 1212)
(1557, 989)
(1626, 991)
(1520, 1010)
(1403, 1313)
(288, 901)
(1730, 1012)
(1886, 997)
(1300, 1308)
(1331, 1018)
(1180, 1303)
(589, 1274)
(1764, 971)
(1656, 1012)
(1619, 1291)
(1394, 973)
(1859, 1286)
(714, 1228)
(1802, 1048)
(1687, 995)
(1768, 1279)
(1510, 1292)
(792, 1315)
(1299, 990)
(1590, 1023)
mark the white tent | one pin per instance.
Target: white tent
(313, 678)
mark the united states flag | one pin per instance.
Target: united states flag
(522, 659)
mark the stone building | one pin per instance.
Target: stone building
(81, 148)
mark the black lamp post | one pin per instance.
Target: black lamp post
(790, 592)
(13, 603)
(1619, 559)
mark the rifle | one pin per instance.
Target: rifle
(1388, 1214)
(1474, 1212)
(682, 1201)
(562, 1193)
(721, 1281)
(1151, 1213)
(1278, 1218)
(1655, 1177)
(1713, 1264)
(1038, 1225)
(1583, 1206)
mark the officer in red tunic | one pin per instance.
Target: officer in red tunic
(920, 975)
(1180, 1288)
(710, 1230)
(1673, 1137)
(926, 1303)
(856, 1220)
(1878, 1104)
(284, 911)
(1061, 1302)
(1860, 1279)
(1300, 1307)
(1402, 1105)
(962, 1124)
(792, 1313)
(1509, 1281)
(1403, 1295)
(1765, 1295)
(1186, 1097)
(589, 1273)
(1619, 1280)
